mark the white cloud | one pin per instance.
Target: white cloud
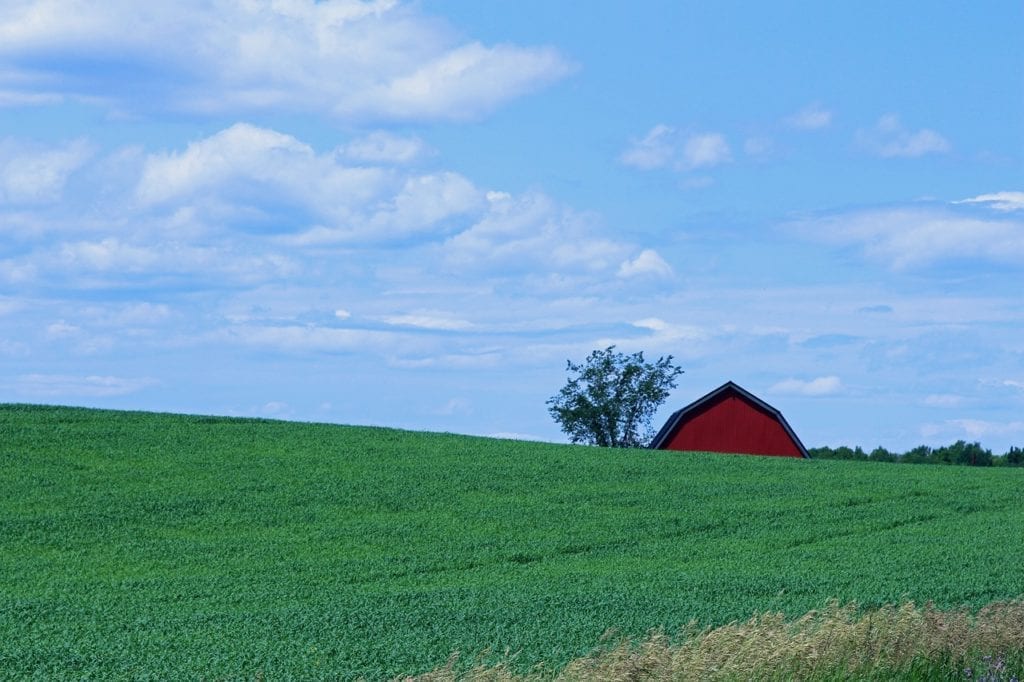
(242, 150)
(812, 117)
(29, 175)
(648, 262)
(426, 200)
(249, 205)
(461, 83)
(109, 254)
(1000, 201)
(423, 205)
(655, 150)
(973, 428)
(92, 386)
(250, 177)
(60, 330)
(827, 385)
(656, 337)
(705, 149)
(381, 147)
(9, 98)
(667, 331)
(664, 147)
(428, 320)
(682, 341)
(112, 259)
(919, 235)
(346, 57)
(890, 139)
(522, 233)
(296, 338)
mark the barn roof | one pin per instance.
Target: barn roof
(679, 416)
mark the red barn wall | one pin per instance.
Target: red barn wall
(731, 424)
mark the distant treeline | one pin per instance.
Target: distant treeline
(960, 452)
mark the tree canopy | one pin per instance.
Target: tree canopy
(612, 397)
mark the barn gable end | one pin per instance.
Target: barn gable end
(730, 419)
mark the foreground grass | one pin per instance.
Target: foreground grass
(837, 643)
(137, 545)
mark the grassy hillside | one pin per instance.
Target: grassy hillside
(136, 544)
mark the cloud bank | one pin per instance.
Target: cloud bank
(989, 227)
(344, 58)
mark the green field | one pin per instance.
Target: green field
(137, 545)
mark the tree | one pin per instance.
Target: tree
(880, 454)
(922, 454)
(962, 452)
(612, 398)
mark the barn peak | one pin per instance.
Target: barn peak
(730, 419)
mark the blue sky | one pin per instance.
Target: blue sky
(412, 214)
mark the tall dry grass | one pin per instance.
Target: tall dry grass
(835, 643)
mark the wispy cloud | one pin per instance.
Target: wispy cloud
(665, 147)
(428, 319)
(945, 400)
(454, 406)
(382, 147)
(114, 260)
(681, 340)
(656, 149)
(812, 117)
(917, 235)
(309, 338)
(1000, 201)
(759, 147)
(32, 175)
(819, 386)
(890, 139)
(276, 408)
(67, 386)
(973, 429)
(13, 98)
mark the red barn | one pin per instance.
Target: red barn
(730, 419)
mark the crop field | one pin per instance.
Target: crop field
(138, 545)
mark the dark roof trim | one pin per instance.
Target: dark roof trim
(669, 429)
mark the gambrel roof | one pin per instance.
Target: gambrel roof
(700, 407)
